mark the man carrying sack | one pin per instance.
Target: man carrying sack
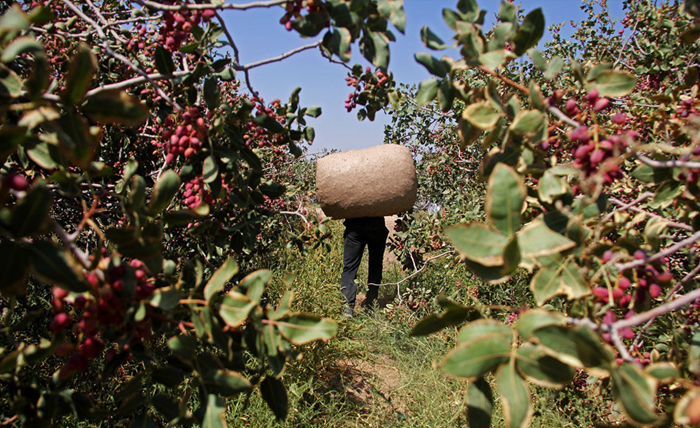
(362, 186)
(360, 232)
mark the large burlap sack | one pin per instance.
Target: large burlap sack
(377, 181)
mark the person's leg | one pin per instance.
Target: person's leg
(376, 245)
(352, 255)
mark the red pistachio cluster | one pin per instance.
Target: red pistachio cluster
(103, 310)
(196, 193)
(366, 85)
(187, 137)
(178, 26)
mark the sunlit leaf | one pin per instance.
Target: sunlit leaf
(613, 83)
(303, 328)
(636, 392)
(431, 40)
(515, 396)
(530, 32)
(218, 280)
(479, 242)
(164, 191)
(479, 404)
(505, 196)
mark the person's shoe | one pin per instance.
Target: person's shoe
(368, 305)
(347, 313)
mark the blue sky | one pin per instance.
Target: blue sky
(259, 35)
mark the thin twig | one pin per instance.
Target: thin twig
(194, 6)
(416, 272)
(657, 311)
(621, 267)
(560, 114)
(278, 58)
(623, 206)
(120, 57)
(667, 164)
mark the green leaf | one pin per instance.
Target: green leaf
(313, 111)
(19, 46)
(164, 61)
(537, 59)
(647, 174)
(537, 239)
(310, 134)
(14, 263)
(13, 20)
(575, 346)
(663, 371)
(254, 284)
(10, 83)
(185, 216)
(303, 328)
(452, 316)
(533, 319)
(218, 280)
(81, 71)
(482, 115)
(477, 357)
(446, 95)
(542, 369)
(692, 7)
(635, 391)
(551, 187)
(613, 83)
(553, 68)
(515, 397)
(275, 395)
(32, 212)
(476, 329)
(212, 94)
(505, 196)
(235, 308)
(479, 242)
(269, 123)
(184, 346)
(496, 58)
(479, 404)
(214, 417)
(228, 74)
(687, 404)
(166, 406)
(282, 309)
(536, 98)
(164, 191)
(431, 40)
(508, 12)
(166, 298)
(226, 382)
(210, 169)
(432, 64)
(531, 124)
(427, 91)
(530, 32)
(169, 376)
(56, 266)
(116, 107)
(375, 48)
(339, 42)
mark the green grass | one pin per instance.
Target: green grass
(373, 373)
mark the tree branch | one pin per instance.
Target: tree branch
(667, 164)
(192, 6)
(621, 267)
(278, 58)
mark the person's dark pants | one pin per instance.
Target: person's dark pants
(355, 240)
